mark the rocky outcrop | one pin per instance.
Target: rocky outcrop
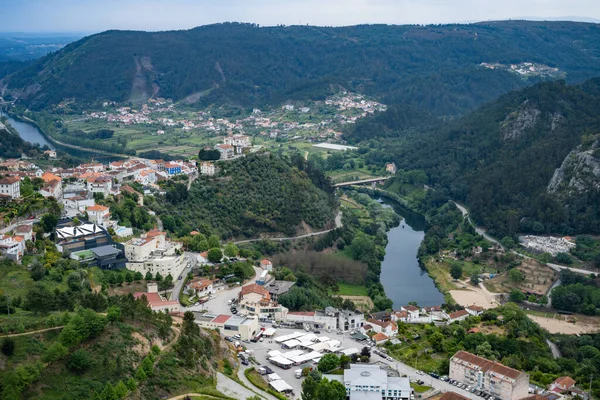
(578, 173)
(517, 123)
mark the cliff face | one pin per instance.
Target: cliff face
(579, 172)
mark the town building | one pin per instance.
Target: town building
(200, 287)
(380, 338)
(459, 315)
(389, 327)
(157, 303)
(52, 188)
(491, 377)
(83, 237)
(562, 384)
(277, 288)
(12, 247)
(99, 215)
(153, 253)
(10, 187)
(226, 151)
(474, 310)
(255, 300)
(239, 142)
(246, 327)
(363, 381)
(207, 168)
(99, 184)
(266, 264)
(26, 231)
(330, 318)
(391, 168)
(172, 168)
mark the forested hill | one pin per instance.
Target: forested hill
(432, 68)
(259, 193)
(528, 162)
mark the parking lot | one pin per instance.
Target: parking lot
(259, 351)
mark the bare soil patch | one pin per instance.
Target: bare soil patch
(538, 279)
(363, 303)
(559, 324)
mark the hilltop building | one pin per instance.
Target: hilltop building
(10, 187)
(153, 253)
(492, 377)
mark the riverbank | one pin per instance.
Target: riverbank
(60, 144)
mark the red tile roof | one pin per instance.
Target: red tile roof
(564, 381)
(97, 207)
(254, 288)
(151, 297)
(486, 365)
(9, 180)
(411, 308)
(379, 337)
(458, 314)
(221, 319)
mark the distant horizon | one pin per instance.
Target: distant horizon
(586, 20)
(55, 16)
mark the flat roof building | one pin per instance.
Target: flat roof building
(370, 382)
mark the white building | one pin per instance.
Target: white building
(255, 300)
(100, 215)
(226, 150)
(10, 186)
(153, 253)
(100, 184)
(207, 168)
(371, 382)
(239, 142)
(492, 377)
(246, 327)
(157, 303)
(330, 318)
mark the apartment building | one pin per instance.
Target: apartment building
(492, 377)
(371, 382)
(153, 253)
(10, 187)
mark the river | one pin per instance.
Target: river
(401, 276)
(28, 132)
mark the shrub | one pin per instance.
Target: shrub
(79, 360)
(8, 346)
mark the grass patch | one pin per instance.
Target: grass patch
(345, 289)
(419, 388)
(257, 380)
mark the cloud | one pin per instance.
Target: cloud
(98, 15)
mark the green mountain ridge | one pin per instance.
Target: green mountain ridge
(501, 159)
(432, 68)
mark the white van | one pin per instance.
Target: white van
(298, 373)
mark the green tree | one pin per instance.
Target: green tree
(310, 385)
(475, 280)
(38, 271)
(148, 276)
(532, 299)
(507, 242)
(138, 276)
(456, 271)
(39, 299)
(331, 390)
(437, 341)
(213, 241)
(543, 300)
(79, 360)
(48, 222)
(121, 389)
(113, 314)
(8, 346)
(109, 393)
(129, 277)
(328, 363)
(516, 275)
(158, 277)
(215, 255)
(516, 295)
(231, 250)
(55, 352)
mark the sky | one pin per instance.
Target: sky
(155, 15)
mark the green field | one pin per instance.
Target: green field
(351, 290)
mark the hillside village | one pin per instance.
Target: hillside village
(87, 234)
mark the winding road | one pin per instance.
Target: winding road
(338, 224)
(482, 232)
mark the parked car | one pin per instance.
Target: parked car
(389, 358)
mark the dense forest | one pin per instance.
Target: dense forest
(501, 158)
(260, 193)
(433, 68)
